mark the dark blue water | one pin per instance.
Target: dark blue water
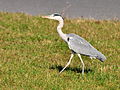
(98, 9)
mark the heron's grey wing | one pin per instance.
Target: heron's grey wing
(80, 45)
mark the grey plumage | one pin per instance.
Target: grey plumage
(81, 46)
(77, 44)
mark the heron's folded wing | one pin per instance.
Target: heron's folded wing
(80, 45)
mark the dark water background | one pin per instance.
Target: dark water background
(98, 9)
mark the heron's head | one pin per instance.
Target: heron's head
(54, 16)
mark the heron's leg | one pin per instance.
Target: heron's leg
(82, 63)
(68, 62)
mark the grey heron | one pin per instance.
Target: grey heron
(76, 44)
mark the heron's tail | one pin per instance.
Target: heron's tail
(101, 57)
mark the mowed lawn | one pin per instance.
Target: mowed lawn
(32, 54)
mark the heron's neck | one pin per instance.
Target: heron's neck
(59, 30)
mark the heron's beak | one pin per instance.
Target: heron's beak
(45, 17)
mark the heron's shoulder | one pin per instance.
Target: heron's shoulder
(75, 37)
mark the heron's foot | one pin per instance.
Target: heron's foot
(62, 70)
(82, 72)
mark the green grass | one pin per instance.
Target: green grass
(32, 53)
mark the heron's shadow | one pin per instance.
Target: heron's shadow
(78, 70)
